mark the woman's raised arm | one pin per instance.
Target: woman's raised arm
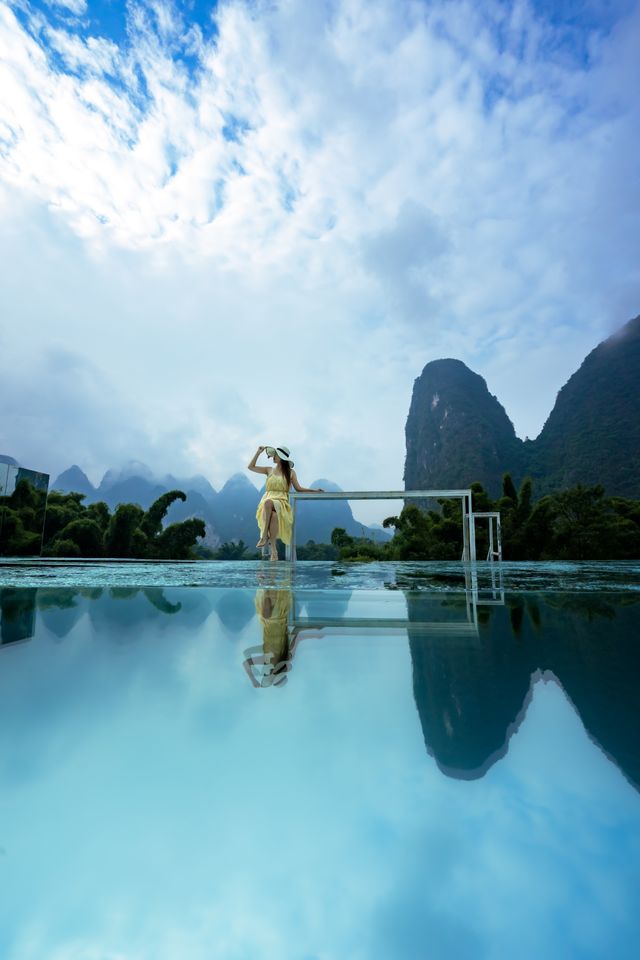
(252, 466)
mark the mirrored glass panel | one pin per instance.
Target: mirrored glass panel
(23, 501)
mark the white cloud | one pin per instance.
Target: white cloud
(78, 7)
(362, 186)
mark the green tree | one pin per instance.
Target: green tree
(99, 512)
(62, 508)
(340, 538)
(177, 541)
(581, 527)
(18, 537)
(120, 538)
(86, 534)
(515, 510)
(231, 551)
(151, 524)
(63, 548)
(316, 551)
(412, 539)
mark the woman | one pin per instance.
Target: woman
(274, 514)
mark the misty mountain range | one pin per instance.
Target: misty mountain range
(228, 514)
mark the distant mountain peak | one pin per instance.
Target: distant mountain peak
(196, 483)
(592, 435)
(73, 480)
(132, 468)
(237, 480)
(457, 432)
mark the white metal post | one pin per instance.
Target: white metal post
(465, 529)
(472, 538)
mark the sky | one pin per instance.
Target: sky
(246, 222)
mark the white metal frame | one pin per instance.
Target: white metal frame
(495, 544)
(468, 525)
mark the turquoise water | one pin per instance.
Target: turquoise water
(394, 762)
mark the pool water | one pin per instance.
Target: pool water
(319, 764)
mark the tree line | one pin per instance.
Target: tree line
(580, 523)
(66, 527)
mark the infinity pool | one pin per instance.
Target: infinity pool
(321, 764)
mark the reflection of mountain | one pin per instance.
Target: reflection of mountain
(471, 689)
(464, 692)
(61, 608)
(235, 610)
(471, 698)
(121, 613)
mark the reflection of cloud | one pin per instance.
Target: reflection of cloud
(281, 850)
(274, 821)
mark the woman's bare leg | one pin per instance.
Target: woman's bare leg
(267, 512)
(273, 534)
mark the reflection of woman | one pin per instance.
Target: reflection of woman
(272, 607)
(279, 639)
(274, 513)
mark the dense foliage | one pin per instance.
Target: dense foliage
(68, 528)
(580, 523)
(576, 524)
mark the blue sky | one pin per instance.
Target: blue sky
(254, 222)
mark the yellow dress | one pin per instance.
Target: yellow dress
(277, 490)
(275, 635)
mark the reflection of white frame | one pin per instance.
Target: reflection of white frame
(468, 527)
(491, 594)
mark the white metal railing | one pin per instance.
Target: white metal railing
(468, 524)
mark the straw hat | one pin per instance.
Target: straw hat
(283, 453)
